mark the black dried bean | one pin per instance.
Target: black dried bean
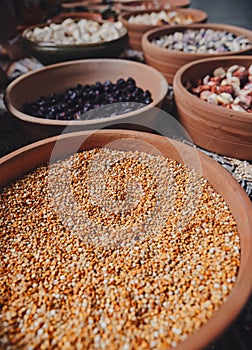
(75, 101)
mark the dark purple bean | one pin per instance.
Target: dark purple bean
(83, 98)
(131, 82)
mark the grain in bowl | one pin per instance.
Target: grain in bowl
(116, 279)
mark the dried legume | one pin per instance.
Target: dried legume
(162, 17)
(71, 32)
(203, 41)
(65, 285)
(76, 101)
(230, 87)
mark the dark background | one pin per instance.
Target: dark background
(235, 12)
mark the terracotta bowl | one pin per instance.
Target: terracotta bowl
(53, 53)
(138, 5)
(136, 31)
(213, 127)
(80, 5)
(169, 61)
(76, 15)
(107, 10)
(57, 78)
(66, 5)
(28, 158)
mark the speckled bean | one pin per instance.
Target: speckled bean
(203, 41)
(230, 87)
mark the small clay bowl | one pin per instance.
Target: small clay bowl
(136, 31)
(107, 10)
(76, 15)
(169, 61)
(138, 5)
(59, 77)
(22, 161)
(212, 127)
(73, 5)
(54, 53)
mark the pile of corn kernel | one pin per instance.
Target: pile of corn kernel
(88, 261)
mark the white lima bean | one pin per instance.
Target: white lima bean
(71, 32)
(162, 17)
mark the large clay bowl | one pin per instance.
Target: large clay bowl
(26, 159)
(169, 61)
(48, 53)
(136, 31)
(213, 127)
(57, 78)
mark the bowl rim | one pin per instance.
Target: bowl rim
(86, 3)
(74, 14)
(48, 45)
(187, 11)
(156, 32)
(226, 113)
(123, 4)
(231, 307)
(83, 3)
(42, 121)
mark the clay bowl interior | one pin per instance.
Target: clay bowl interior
(57, 78)
(136, 31)
(169, 61)
(213, 127)
(28, 158)
(138, 5)
(53, 53)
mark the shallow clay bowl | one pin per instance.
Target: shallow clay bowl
(213, 127)
(136, 31)
(72, 5)
(169, 61)
(48, 53)
(26, 159)
(79, 5)
(58, 77)
(107, 10)
(76, 15)
(138, 5)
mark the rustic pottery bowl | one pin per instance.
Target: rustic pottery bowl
(57, 78)
(53, 53)
(30, 157)
(72, 5)
(139, 5)
(106, 10)
(210, 126)
(169, 61)
(76, 15)
(136, 31)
